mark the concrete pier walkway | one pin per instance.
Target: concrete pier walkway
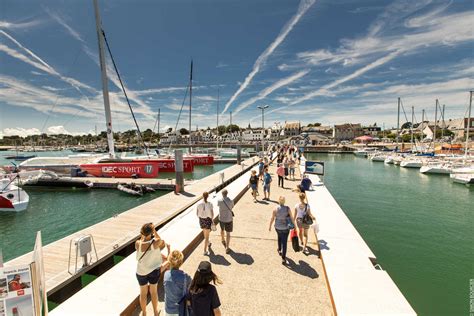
(254, 280)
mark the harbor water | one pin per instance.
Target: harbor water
(420, 227)
(59, 212)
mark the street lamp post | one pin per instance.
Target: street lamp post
(263, 107)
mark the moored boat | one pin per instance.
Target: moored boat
(12, 198)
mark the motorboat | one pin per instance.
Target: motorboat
(19, 157)
(411, 163)
(436, 167)
(463, 175)
(363, 152)
(378, 157)
(232, 153)
(12, 197)
(134, 189)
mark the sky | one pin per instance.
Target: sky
(327, 61)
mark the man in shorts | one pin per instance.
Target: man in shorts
(226, 214)
(267, 179)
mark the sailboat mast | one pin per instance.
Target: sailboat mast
(443, 125)
(466, 150)
(436, 123)
(398, 121)
(105, 88)
(412, 122)
(190, 101)
(217, 120)
(159, 118)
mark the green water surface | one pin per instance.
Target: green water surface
(420, 227)
(59, 212)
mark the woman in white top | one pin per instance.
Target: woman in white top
(149, 261)
(301, 209)
(205, 212)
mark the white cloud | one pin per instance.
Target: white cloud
(57, 130)
(261, 60)
(325, 89)
(20, 131)
(265, 92)
(20, 26)
(63, 23)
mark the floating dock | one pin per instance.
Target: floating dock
(106, 183)
(116, 235)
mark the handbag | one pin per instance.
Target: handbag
(307, 220)
(294, 240)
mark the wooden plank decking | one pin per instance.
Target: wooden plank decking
(114, 233)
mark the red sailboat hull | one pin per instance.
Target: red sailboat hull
(168, 165)
(148, 169)
(202, 160)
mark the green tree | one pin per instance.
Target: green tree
(232, 128)
(221, 129)
(183, 131)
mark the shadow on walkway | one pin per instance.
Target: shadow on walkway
(241, 258)
(218, 259)
(187, 194)
(302, 268)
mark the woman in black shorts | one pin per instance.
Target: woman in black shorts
(205, 212)
(149, 261)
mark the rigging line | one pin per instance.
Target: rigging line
(403, 108)
(180, 111)
(57, 96)
(125, 92)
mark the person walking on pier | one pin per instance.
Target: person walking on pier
(261, 166)
(149, 261)
(202, 294)
(267, 179)
(285, 165)
(283, 223)
(253, 184)
(205, 212)
(303, 219)
(281, 174)
(226, 214)
(292, 168)
(176, 284)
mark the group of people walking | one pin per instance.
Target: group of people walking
(198, 295)
(183, 295)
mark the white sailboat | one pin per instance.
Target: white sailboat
(12, 198)
(465, 175)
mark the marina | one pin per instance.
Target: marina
(340, 133)
(117, 234)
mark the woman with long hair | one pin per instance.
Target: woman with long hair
(176, 284)
(205, 213)
(149, 261)
(302, 209)
(282, 218)
(202, 294)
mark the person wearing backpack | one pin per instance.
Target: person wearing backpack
(149, 261)
(304, 219)
(176, 284)
(202, 295)
(253, 184)
(284, 222)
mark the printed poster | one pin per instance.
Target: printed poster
(16, 293)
